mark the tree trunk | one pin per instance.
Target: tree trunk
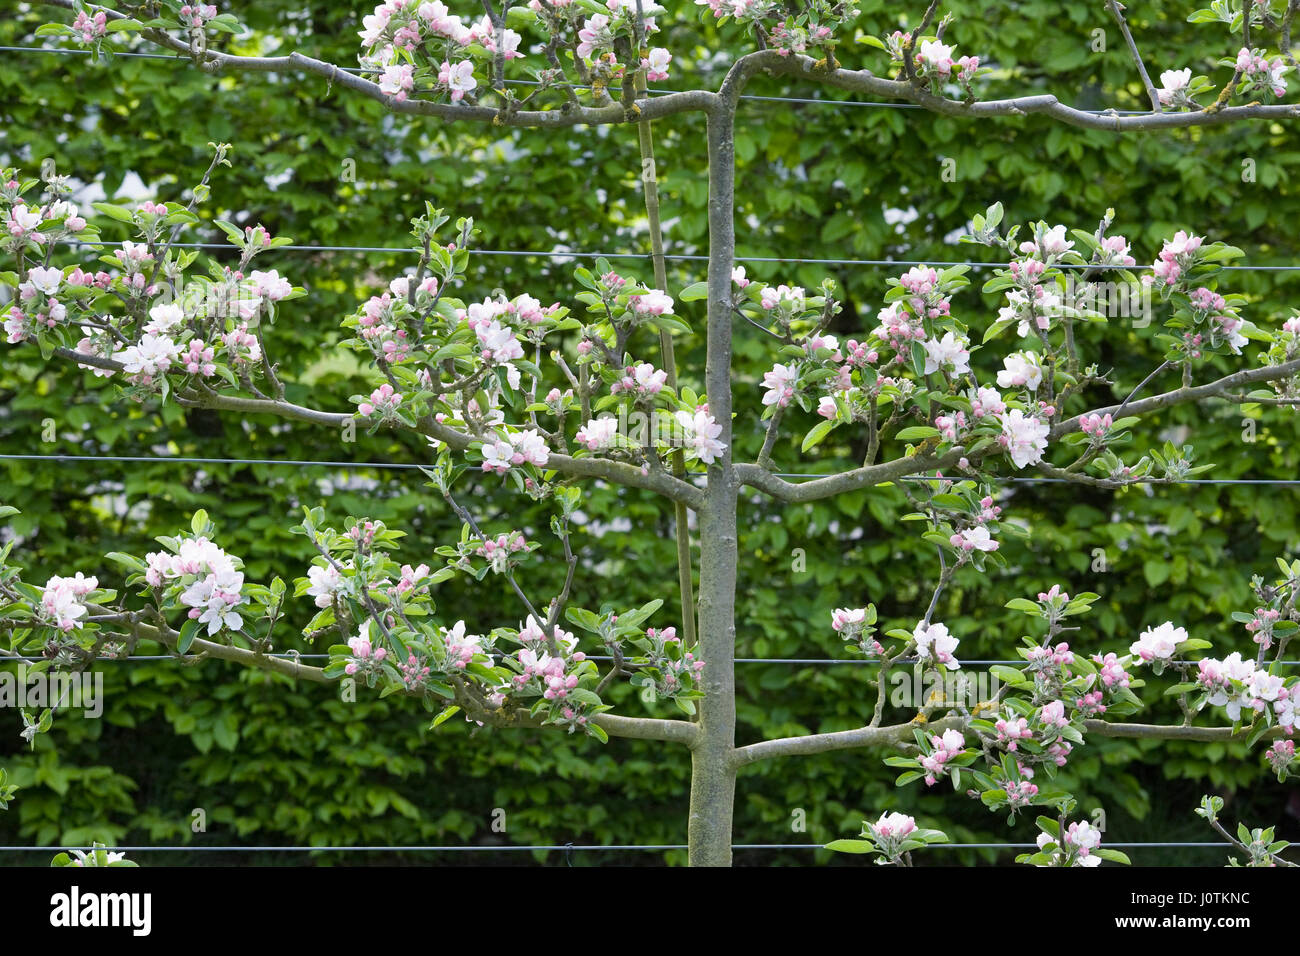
(713, 773)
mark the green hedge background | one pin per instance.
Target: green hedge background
(275, 764)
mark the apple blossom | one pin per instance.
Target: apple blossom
(656, 64)
(197, 359)
(949, 354)
(90, 27)
(518, 448)
(783, 297)
(987, 401)
(61, 602)
(1024, 437)
(700, 435)
(45, 280)
(1011, 730)
(643, 380)
(847, 616)
(1259, 74)
(270, 285)
(383, 400)
(1173, 88)
(1021, 369)
(458, 79)
(164, 319)
(946, 746)
(779, 382)
(1052, 714)
(213, 600)
(1158, 643)
(893, 826)
(594, 35)
(149, 359)
(485, 33)
(1176, 255)
(598, 434)
(934, 643)
(242, 347)
(1281, 756)
(461, 648)
(974, 539)
(326, 582)
(936, 57)
(1052, 244)
(1095, 425)
(652, 302)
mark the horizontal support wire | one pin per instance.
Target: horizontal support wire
(562, 254)
(739, 660)
(410, 466)
(561, 847)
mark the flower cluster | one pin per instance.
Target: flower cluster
(512, 449)
(209, 581)
(1176, 256)
(62, 600)
(1078, 845)
(1259, 75)
(1236, 684)
(406, 42)
(932, 60)
(366, 659)
(945, 747)
(858, 625)
(598, 434)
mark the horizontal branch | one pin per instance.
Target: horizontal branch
(648, 728)
(892, 736)
(702, 101)
(660, 482)
(635, 728)
(760, 478)
(199, 647)
(569, 114)
(1191, 393)
(1045, 104)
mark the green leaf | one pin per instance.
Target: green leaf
(817, 433)
(694, 292)
(1023, 604)
(1156, 571)
(447, 712)
(189, 630)
(851, 846)
(916, 433)
(113, 211)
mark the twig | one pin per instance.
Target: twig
(1117, 10)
